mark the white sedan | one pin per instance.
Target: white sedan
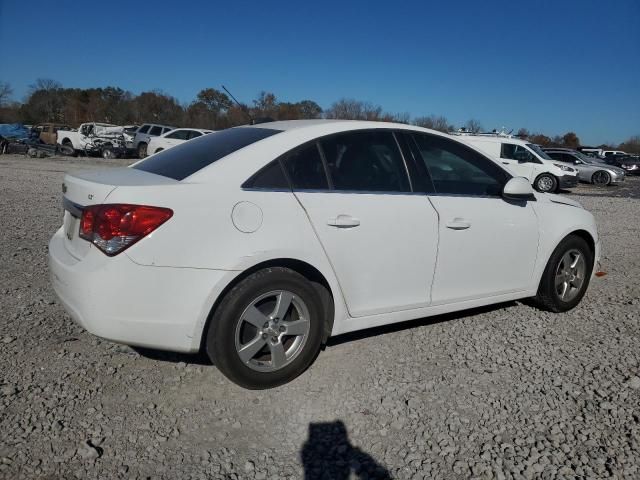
(258, 243)
(173, 138)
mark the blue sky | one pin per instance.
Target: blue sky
(549, 66)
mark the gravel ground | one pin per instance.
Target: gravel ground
(502, 392)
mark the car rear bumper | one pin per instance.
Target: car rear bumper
(119, 300)
(568, 181)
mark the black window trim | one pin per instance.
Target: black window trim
(331, 188)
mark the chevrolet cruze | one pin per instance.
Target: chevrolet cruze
(258, 243)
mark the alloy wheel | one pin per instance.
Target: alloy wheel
(570, 275)
(272, 331)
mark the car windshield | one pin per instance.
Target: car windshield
(539, 151)
(586, 158)
(186, 159)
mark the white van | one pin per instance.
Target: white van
(525, 159)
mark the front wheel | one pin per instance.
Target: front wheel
(566, 276)
(142, 150)
(601, 178)
(546, 183)
(267, 330)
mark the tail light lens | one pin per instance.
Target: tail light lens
(115, 227)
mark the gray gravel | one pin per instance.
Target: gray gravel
(503, 392)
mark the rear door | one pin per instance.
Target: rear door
(380, 237)
(488, 246)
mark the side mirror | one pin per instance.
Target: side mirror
(518, 188)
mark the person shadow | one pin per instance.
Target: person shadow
(328, 455)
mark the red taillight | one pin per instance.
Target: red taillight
(115, 227)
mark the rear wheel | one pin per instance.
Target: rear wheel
(142, 150)
(566, 276)
(546, 183)
(267, 329)
(68, 147)
(601, 178)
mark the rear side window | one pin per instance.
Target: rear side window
(305, 169)
(365, 161)
(193, 134)
(270, 177)
(457, 169)
(155, 131)
(179, 135)
(187, 158)
(144, 129)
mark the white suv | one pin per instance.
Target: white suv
(145, 133)
(527, 160)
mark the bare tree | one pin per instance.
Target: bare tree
(350, 109)
(434, 122)
(5, 93)
(473, 126)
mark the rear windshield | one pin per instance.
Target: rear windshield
(186, 159)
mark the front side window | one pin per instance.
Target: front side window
(510, 151)
(179, 135)
(155, 131)
(457, 169)
(144, 129)
(305, 168)
(187, 158)
(365, 161)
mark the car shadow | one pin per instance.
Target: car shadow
(409, 324)
(201, 358)
(328, 454)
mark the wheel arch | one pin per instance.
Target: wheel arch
(305, 269)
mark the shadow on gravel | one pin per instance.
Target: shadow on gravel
(328, 454)
(396, 327)
(174, 357)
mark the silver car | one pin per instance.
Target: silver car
(590, 170)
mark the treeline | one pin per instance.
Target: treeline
(48, 101)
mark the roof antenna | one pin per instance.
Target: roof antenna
(242, 107)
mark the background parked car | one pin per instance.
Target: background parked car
(145, 133)
(525, 159)
(48, 132)
(629, 163)
(173, 138)
(589, 169)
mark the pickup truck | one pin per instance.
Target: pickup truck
(92, 138)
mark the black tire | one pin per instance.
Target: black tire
(548, 297)
(108, 153)
(66, 150)
(158, 150)
(601, 178)
(221, 337)
(546, 183)
(142, 150)
(69, 148)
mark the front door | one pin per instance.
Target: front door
(380, 237)
(518, 160)
(487, 246)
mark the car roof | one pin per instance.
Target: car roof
(327, 126)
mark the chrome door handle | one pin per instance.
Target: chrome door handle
(343, 221)
(458, 224)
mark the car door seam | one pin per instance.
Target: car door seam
(335, 274)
